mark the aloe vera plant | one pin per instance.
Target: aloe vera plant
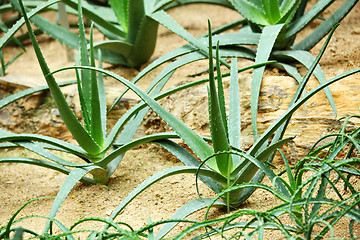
(94, 146)
(224, 166)
(130, 26)
(93, 143)
(315, 200)
(273, 27)
(122, 230)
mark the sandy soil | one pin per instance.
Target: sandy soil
(20, 183)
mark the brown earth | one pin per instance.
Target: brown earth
(20, 183)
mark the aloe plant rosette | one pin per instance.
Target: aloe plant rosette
(130, 27)
(273, 26)
(224, 166)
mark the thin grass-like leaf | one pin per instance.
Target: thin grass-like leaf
(189, 160)
(187, 209)
(307, 59)
(153, 179)
(325, 27)
(74, 176)
(7, 232)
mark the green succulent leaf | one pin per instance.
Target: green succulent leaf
(84, 77)
(272, 11)
(250, 11)
(96, 15)
(72, 123)
(234, 111)
(265, 47)
(16, 96)
(121, 9)
(217, 126)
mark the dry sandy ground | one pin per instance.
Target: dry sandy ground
(20, 183)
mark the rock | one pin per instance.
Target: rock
(29, 114)
(309, 123)
(13, 83)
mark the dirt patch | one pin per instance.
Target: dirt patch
(20, 183)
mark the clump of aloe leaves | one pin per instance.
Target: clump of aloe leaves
(94, 147)
(273, 26)
(307, 201)
(93, 143)
(130, 27)
(225, 167)
(219, 169)
(317, 201)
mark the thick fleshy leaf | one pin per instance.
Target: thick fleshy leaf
(143, 39)
(43, 163)
(9, 34)
(98, 108)
(234, 111)
(65, 146)
(266, 44)
(250, 11)
(217, 127)
(272, 11)
(84, 76)
(303, 21)
(74, 126)
(174, 3)
(96, 15)
(288, 9)
(121, 10)
(53, 30)
(194, 141)
(122, 47)
(164, 19)
(224, 39)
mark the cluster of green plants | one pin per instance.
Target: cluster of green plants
(311, 203)
(232, 173)
(130, 28)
